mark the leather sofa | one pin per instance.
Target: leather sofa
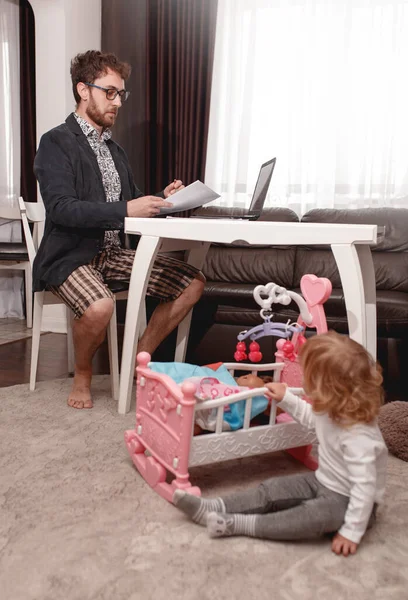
(232, 272)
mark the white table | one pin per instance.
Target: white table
(350, 245)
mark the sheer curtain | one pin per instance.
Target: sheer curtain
(321, 85)
(11, 286)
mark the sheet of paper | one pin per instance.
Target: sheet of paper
(194, 195)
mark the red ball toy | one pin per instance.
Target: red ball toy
(254, 353)
(288, 348)
(240, 353)
(255, 356)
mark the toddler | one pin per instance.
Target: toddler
(344, 386)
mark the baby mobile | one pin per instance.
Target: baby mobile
(265, 296)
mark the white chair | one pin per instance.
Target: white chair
(14, 257)
(34, 212)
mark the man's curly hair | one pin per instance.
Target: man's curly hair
(341, 378)
(93, 64)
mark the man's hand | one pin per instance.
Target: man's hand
(276, 391)
(173, 187)
(341, 545)
(146, 206)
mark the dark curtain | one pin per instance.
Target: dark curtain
(124, 34)
(180, 38)
(28, 184)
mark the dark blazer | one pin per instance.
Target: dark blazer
(77, 213)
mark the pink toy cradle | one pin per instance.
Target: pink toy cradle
(163, 446)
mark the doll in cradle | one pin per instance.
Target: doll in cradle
(205, 421)
(213, 382)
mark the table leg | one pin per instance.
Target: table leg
(144, 258)
(358, 281)
(195, 257)
(368, 273)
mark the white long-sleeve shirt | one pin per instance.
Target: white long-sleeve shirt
(352, 462)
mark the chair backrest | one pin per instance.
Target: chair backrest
(32, 212)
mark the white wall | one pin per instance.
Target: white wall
(62, 29)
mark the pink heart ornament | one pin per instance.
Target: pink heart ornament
(315, 290)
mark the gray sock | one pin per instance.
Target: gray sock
(224, 524)
(195, 507)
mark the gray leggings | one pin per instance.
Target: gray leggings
(293, 507)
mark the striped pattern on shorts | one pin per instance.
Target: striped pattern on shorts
(169, 277)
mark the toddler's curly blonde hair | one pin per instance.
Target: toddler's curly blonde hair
(341, 378)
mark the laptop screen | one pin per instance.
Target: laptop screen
(262, 185)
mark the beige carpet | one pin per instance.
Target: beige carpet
(78, 522)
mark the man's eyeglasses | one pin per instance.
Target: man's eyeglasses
(111, 93)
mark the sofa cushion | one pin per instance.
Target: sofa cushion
(250, 265)
(394, 220)
(241, 263)
(390, 255)
(391, 268)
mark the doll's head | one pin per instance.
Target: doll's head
(253, 381)
(341, 378)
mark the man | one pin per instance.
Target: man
(88, 189)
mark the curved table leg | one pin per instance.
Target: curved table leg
(144, 258)
(368, 273)
(195, 257)
(358, 281)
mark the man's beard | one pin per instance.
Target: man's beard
(101, 119)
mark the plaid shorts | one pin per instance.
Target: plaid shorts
(168, 279)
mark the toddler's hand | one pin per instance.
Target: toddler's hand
(341, 545)
(276, 391)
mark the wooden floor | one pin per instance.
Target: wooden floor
(52, 363)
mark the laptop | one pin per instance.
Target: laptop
(258, 197)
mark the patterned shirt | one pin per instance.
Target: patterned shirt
(110, 176)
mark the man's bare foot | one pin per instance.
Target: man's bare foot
(80, 396)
